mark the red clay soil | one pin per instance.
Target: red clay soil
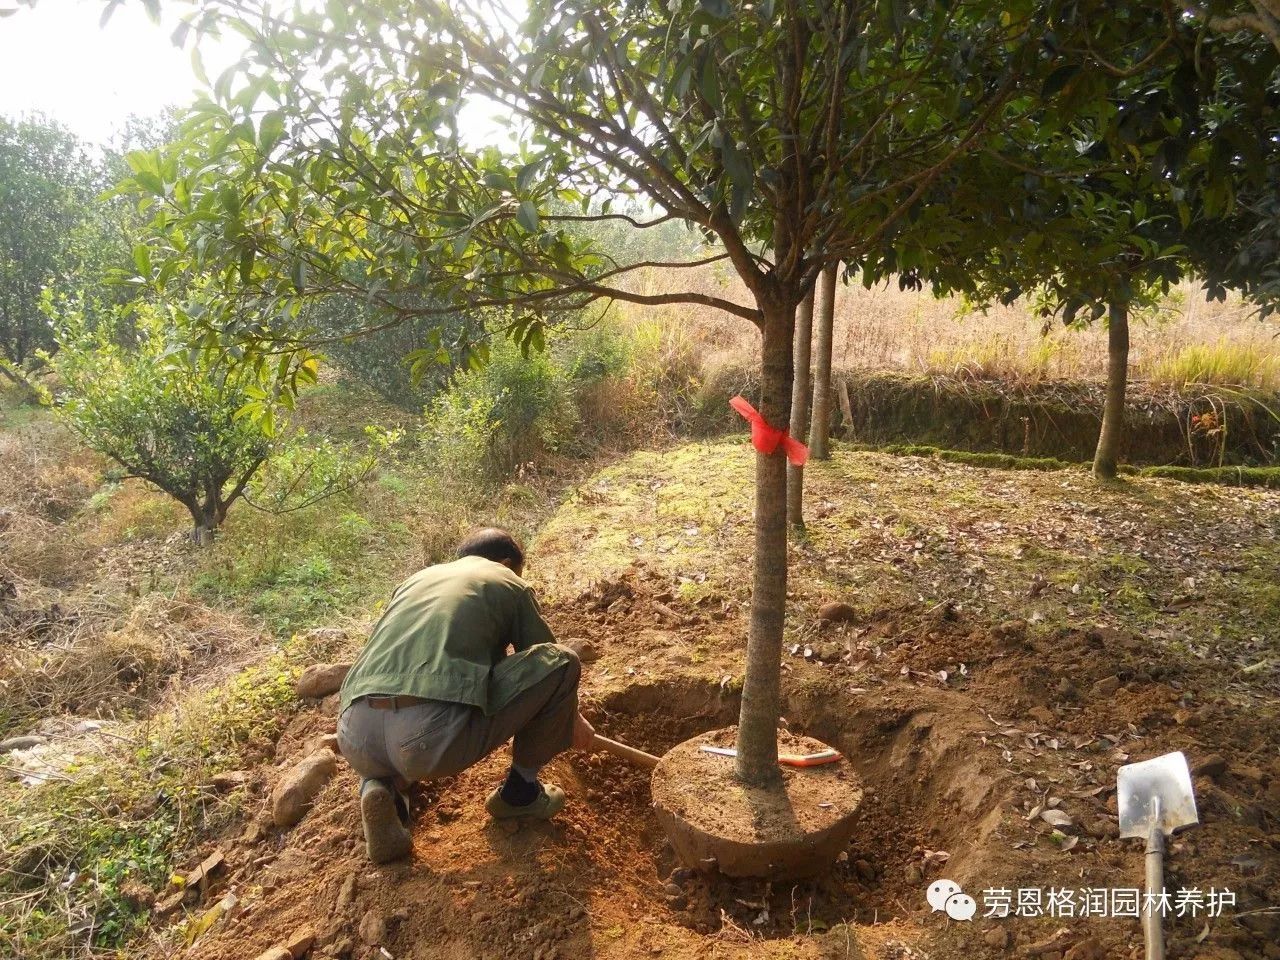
(965, 736)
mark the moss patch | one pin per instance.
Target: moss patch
(1268, 477)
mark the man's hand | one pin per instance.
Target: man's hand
(583, 733)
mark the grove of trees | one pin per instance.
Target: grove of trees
(47, 183)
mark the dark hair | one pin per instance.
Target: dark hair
(492, 543)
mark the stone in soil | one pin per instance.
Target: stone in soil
(713, 822)
(321, 679)
(584, 649)
(997, 938)
(1213, 765)
(296, 790)
(837, 612)
(20, 743)
(373, 928)
(1106, 687)
(1088, 949)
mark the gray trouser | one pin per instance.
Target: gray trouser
(438, 739)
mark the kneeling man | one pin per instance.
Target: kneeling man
(460, 662)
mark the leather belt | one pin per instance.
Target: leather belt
(399, 702)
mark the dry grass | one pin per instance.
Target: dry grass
(1185, 340)
(86, 654)
(44, 471)
(86, 624)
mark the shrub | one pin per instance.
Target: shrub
(192, 422)
(168, 415)
(507, 414)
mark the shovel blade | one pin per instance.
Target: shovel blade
(1155, 793)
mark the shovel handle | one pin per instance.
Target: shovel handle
(1152, 917)
(630, 754)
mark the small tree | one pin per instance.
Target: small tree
(166, 414)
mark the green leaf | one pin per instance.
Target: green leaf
(1058, 79)
(197, 66)
(527, 215)
(246, 264)
(270, 131)
(142, 259)
(525, 178)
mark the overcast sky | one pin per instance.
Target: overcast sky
(55, 59)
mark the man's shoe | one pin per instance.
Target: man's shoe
(548, 802)
(402, 806)
(385, 837)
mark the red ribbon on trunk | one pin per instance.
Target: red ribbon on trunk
(768, 440)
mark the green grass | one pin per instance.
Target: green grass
(73, 850)
(997, 461)
(297, 570)
(1224, 362)
(1258, 586)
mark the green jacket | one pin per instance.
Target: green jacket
(445, 633)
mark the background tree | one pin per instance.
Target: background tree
(47, 182)
(407, 360)
(820, 431)
(800, 391)
(1102, 203)
(166, 414)
(795, 134)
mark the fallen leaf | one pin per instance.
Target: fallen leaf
(1055, 818)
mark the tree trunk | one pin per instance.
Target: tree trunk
(819, 432)
(1104, 460)
(800, 407)
(205, 519)
(757, 761)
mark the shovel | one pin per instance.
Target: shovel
(1154, 799)
(641, 759)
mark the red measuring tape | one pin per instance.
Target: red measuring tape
(768, 440)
